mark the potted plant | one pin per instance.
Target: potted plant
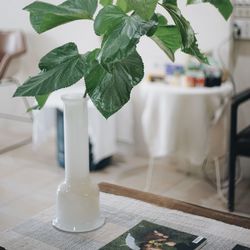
(110, 72)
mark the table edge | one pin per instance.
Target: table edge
(170, 203)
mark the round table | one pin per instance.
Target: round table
(178, 120)
(187, 123)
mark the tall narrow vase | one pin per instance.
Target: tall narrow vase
(77, 207)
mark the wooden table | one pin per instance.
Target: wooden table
(185, 207)
(123, 208)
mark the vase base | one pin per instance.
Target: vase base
(79, 228)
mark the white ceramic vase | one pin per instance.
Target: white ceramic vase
(77, 205)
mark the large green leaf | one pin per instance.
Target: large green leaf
(40, 102)
(107, 19)
(155, 22)
(162, 20)
(168, 39)
(144, 8)
(185, 29)
(106, 2)
(45, 16)
(126, 36)
(61, 68)
(194, 51)
(188, 40)
(225, 7)
(122, 33)
(174, 2)
(124, 5)
(110, 90)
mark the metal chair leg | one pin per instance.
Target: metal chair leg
(149, 174)
(231, 191)
(219, 188)
(218, 180)
(16, 145)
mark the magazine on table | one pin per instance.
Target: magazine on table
(151, 236)
(240, 247)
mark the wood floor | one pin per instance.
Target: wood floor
(29, 178)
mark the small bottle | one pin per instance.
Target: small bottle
(190, 79)
(157, 74)
(200, 79)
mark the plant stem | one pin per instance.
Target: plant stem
(85, 94)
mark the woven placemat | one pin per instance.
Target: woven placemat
(121, 214)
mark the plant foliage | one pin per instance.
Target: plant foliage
(111, 71)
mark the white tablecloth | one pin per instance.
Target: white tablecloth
(181, 121)
(101, 131)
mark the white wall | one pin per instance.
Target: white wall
(13, 17)
(212, 32)
(210, 27)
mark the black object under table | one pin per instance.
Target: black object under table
(239, 143)
(60, 147)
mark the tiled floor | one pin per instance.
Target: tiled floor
(28, 181)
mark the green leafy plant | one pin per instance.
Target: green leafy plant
(111, 71)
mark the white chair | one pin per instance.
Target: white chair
(12, 45)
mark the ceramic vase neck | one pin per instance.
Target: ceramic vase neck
(76, 141)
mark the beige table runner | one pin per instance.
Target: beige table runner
(121, 214)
